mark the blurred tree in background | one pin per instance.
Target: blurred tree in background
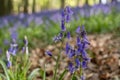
(2, 7)
(32, 6)
(25, 6)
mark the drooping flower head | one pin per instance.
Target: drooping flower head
(25, 47)
(48, 53)
(9, 64)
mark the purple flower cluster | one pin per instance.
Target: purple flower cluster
(77, 54)
(13, 50)
(66, 17)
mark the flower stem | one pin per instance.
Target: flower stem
(56, 67)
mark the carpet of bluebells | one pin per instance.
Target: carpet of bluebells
(80, 43)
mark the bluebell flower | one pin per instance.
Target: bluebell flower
(68, 10)
(68, 35)
(78, 40)
(84, 64)
(71, 53)
(83, 32)
(71, 68)
(78, 30)
(63, 28)
(84, 54)
(48, 53)
(9, 64)
(67, 18)
(77, 61)
(82, 77)
(14, 35)
(58, 37)
(67, 48)
(13, 48)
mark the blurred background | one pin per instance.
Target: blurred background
(40, 21)
(31, 6)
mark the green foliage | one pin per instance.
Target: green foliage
(19, 69)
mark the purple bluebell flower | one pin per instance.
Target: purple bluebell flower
(6, 42)
(9, 64)
(77, 61)
(84, 54)
(68, 10)
(67, 48)
(71, 68)
(63, 28)
(83, 32)
(67, 18)
(78, 40)
(58, 38)
(84, 64)
(82, 77)
(68, 35)
(48, 53)
(71, 53)
(14, 35)
(13, 48)
(78, 30)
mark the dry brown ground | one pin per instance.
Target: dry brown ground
(105, 60)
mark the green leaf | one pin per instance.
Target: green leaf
(2, 76)
(44, 74)
(62, 75)
(33, 74)
(5, 69)
(74, 77)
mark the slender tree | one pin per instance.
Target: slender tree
(100, 1)
(26, 6)
(9, 6)
(33, 6)
(86, 2)
(62, 4)
(77, 2)
(2, 8)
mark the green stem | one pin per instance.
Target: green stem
(73, 75)
(62, 75)
(56, 67)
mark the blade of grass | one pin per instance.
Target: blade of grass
(5, 69)
(33, 74)
(44, 74)
(62, 75)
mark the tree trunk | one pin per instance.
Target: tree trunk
(100, 1)
(86, 2)
(78, 2)
(33, 6)
(2, 8)
(9, 6)
(25, 6)
(62, 4)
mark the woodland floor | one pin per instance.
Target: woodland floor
(105, 58)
